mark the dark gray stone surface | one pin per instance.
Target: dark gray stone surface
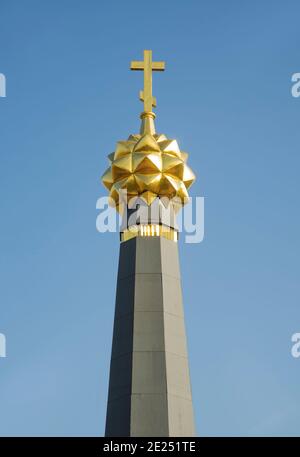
(149, 386)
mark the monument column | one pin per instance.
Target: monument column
(149, 384)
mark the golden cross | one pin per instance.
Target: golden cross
(147, 66)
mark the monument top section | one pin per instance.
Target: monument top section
(148, 165)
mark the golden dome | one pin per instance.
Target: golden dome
(148, 165)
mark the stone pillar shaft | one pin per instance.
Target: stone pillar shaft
(149, 385)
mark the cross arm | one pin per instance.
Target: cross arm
(139, 65)
(158, 66)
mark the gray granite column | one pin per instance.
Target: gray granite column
(149, 386)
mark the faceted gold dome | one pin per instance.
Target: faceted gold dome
(148, 165)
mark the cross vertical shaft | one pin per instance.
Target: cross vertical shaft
(147, 96)
(147, 66)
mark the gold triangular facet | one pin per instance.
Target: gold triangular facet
(150, 163)
(113, 195)
(125, 163)
(188, 176)
(123, 148)
(168, 186)
(134, 138)
(137, 158)
(107, 179)
(149, 182)
(177, 171)
(160, 137)
(184, 155)
(183, 193)
(147, 143)
(175, 182)
(170, 146)
(111, 157)
(131, 185)
(122, 167)
(170, 161)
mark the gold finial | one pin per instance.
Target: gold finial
(148, 165)
(147, 66)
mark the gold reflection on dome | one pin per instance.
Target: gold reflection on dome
(148, 165)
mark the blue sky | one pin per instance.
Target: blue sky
(226, 97)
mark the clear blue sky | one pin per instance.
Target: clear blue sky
(226, 97)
